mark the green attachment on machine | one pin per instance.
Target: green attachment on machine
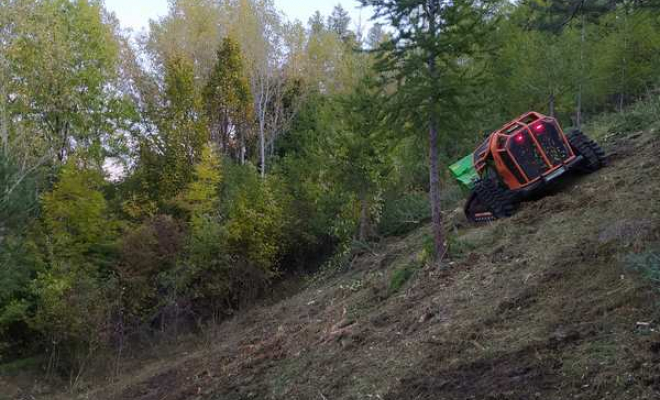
(464, 171)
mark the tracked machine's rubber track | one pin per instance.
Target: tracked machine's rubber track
(489, 201)
(594, 156)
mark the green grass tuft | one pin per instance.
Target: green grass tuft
(21, 365)
(647, 263)
(641, 116)
(459, 246)
(401, 276)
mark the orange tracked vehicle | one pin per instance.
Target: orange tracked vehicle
(518, 160)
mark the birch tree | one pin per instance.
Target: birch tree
(258, 27)
(6, 16)
(192, 28)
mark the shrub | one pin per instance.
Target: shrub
(254, 220)
(73, 288)
(400, 276)
(428, 248)
(72, 313)
(18, 198)
(206, 269)
(403, 214)
(147, 250)
(19, 263)
(460, 245)
(642, 115)
(254, 228)
(75, 214)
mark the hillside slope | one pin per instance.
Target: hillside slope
(540, 305)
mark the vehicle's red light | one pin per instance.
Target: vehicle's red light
(539, 128)
(519, 138)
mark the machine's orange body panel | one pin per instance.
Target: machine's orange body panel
(525, 134)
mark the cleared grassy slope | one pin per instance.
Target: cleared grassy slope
(537, 306)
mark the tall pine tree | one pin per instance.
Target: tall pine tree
(228, 100)
(168, 156)
(431, 54)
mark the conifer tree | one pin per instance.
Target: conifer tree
(168, 158)
(430, 55)
(338, 22)
(315, 23)
(228, 100)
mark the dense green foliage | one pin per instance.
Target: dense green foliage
(148, 186)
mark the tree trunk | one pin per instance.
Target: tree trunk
(624, 63)
(4, 121)
(242, 144)
(262, 149)
(263, 98)
(4, 112)
(551, 104)
(363, 234)
(224, 134)
(578, 112)
(434, 176)
(434, 179)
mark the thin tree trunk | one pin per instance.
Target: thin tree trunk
(262, 149)
(551, 104)
(214, 132)
(578, 113)
(242, 144)
(276, 120)
(271, 147)
(4, 122)
(364, 217)
(4, 112)
(121, 332)
(434, 178)
(63, 150)
(262, 104)
(624, 63)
